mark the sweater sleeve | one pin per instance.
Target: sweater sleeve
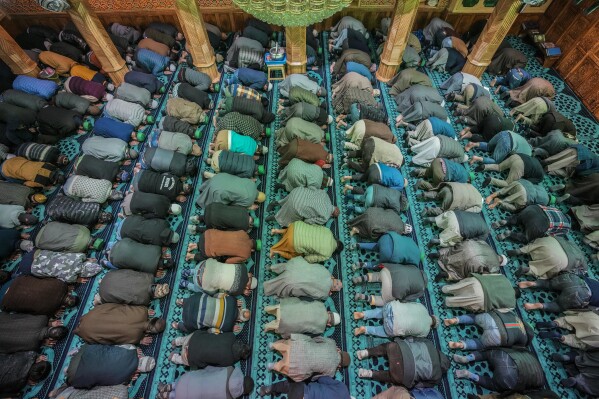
(235, 260)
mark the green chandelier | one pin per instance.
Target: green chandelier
(292, 12)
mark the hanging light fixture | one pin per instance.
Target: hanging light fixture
(292, 12)
(54, 5)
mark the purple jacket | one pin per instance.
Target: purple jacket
(82, 87)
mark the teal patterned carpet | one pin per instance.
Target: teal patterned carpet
(340, 266)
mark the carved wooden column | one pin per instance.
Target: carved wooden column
(192, 24)
(397, 38)
(17, 60)
(92, 30)
(295, 39)
(497, 27)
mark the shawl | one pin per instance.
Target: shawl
(36, 296)
(227, 189)
(298, 278)
(298, 173)
(299, 316)
(310, 205)
(375, 222)
(113, 324)
(127, 287)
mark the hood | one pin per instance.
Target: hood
(236, 383)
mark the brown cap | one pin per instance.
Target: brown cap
(345, 360)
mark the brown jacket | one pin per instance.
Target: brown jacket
(114, 324)
(155, 46)
(235, 246)
(60, 63)
(380, 130)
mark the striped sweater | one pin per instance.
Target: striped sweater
(124, 111)
(310, 205)
(314, 243)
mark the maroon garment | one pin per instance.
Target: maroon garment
(82, 87)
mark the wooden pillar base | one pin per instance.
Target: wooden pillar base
(192, 25)
(397, 38)
(498, 25)
(295, 39)
(92, 30)
(386, 72)
(13, 55)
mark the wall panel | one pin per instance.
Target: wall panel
(577, 35)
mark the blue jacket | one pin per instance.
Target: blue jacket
(589, 161)
(107, 127)
(39, 87)
(455, 172)
(441, 128)
(151, 61)
(252, 78)
(326, 388)
(144, 80)
(352, 66)
(516, 77)
(395, 248)
(391, 177)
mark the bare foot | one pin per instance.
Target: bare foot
(360, 331)
(526, 284)
(358, 315)
(495, 203)
(469, 146)
(151, 312)
(490, 198)
(179, 302)
(450, 322)
(533, 306)
(455, 345)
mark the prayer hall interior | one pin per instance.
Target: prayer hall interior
(390, 199)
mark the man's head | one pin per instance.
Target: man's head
(104, 217)
(94, 110)
(196, 150)
(344, 360)
(322, 91)
(244, 315)
(336, 212)
(168, 263)
(251, 284)
(261, 197)
(336, 285)
(434, 321)
(248, 385)
(268, 86)
(241, 349)
(39, 371)
(179, 36)
(38, 198)
(214, 87)
(57, 333)
(90, 268)
(27, 219)
(339, 247)
(70, 301)
(131, 153)
(333, 319)
(156, 325)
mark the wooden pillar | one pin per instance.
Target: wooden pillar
(295, 39)
(397, 38)
(498, 25)
(192, 24)
(13, 55)
(92, 30)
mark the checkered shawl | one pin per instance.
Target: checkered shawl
(559, 224)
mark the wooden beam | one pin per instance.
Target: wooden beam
(397, 38)
(92, 30)
(192, 24)
(295, 40)
(15, 57)
(499, 24)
